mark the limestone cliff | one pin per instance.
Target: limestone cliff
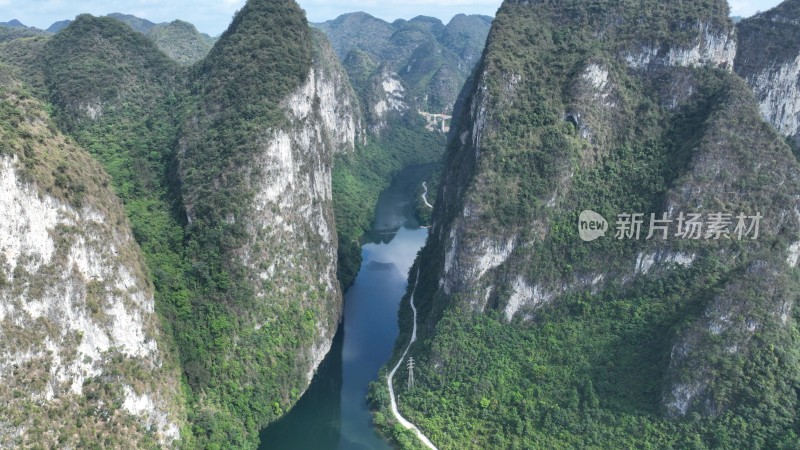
(769, 59)
(291, 176)
(592, 99)
(254, 164)
(618, 108)
(83, 357)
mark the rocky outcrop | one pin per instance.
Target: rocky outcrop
(388, 97)
(293, 200)
(533, 148)
(769, 60)
(82, 352)
(712, 46)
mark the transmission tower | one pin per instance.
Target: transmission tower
(410, 372)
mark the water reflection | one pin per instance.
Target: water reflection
(333, 413)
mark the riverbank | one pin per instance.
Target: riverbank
(335, 404)
(392, 398)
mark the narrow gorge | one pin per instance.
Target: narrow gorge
(571, 225)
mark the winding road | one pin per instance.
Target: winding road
(425, 195)
(403, 421)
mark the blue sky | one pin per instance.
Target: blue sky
(213, 16)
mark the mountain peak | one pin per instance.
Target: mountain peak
(58, 26)
(137, 23)
(265, 36)
(14, 23)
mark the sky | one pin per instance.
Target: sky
(213, 16)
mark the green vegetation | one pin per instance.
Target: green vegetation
(10, 33)
(177, 39)
(766, 43)
(181, 41)
(768, 38)
(589, 374)
(247, 376)
(599, 363)
(58, 168)
(174, 142)
(23, 59)
(236, 101)
(432, 59)
(359, 178)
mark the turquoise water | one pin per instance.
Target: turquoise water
(333, 413)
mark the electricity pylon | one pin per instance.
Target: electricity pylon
(410, 372)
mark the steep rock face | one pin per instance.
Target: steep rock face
(593, 100)
(255, 161)
(618, 108)
(712, 47)
(387, 98)
(769, 59)
(292, 208)
(382, 94)
(82, 354)
(751, 313)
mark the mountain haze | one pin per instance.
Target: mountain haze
(430, 59)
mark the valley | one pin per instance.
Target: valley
(367, 334)
(365, 234)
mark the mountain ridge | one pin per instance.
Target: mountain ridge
(532, 337)
(246, 333)
(103, 366)
(431, 59)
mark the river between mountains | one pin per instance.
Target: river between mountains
(333, 412)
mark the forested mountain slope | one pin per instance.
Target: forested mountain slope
(84, 358)
(685, 337)
(421, 61)
(224, 170)
(178, 39)
(768, 57)
(255, 160)
(181, 41)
